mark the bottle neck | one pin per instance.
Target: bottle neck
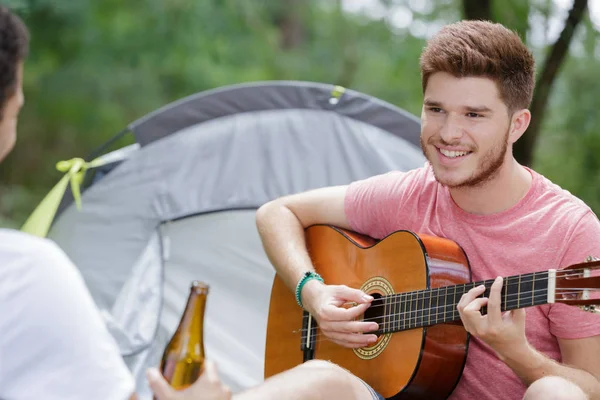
(193, 317)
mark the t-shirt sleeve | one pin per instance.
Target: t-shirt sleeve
(369, 203)
(570, 322)
(53, 342)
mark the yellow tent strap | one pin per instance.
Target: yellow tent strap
(40, 220)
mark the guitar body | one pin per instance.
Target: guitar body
(419, 363)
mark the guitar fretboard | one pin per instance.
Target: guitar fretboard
(421, 308)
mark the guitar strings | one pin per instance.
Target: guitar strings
(507, 282)
(445, 291)
(515, 298)
(414, 316)
(511, 302)
(319, 337)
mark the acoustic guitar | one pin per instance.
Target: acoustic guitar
(417, 281)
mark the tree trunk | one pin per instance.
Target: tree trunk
(290, 24)
(523, 149)
(347, 40)
(477, 9)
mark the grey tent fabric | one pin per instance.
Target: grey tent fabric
(275, 95)
(181, 206)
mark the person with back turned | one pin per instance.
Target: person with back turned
(53, 342)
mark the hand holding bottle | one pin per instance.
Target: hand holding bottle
(207, 387)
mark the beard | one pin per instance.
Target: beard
(487, 166)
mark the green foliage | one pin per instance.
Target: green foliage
(513, 14)
(97, 65)
(569, 151)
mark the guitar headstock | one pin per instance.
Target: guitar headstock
(579, 285)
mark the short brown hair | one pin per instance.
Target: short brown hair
(485, 49)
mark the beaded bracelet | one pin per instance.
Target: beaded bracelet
(305, 278)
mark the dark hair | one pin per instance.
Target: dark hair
(14, 46)
(483, 48)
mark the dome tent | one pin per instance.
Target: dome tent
(180, 205)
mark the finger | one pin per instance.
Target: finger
(333, 313)
(350, 326)
(352, 338)
(471, 314)
(160, 387)
(359, 327)
(226, 391)
(518, 316)
(210, 371)
(470, 296)
(493, 310)
(349, 294)
(475, 306)
(350, 345)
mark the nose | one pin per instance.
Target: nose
(451, 130)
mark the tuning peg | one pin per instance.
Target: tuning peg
(593, 308)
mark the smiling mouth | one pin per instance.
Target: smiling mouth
(453, 154)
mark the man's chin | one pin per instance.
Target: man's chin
(451, 182)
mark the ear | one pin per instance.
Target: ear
(518, 125)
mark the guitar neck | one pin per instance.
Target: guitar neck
(435, 306)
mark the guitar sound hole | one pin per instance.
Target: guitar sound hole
(375, 312)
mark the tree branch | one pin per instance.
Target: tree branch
(523, 149)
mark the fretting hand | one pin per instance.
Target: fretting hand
(337, 322)
(504, 333)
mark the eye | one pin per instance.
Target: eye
(473, 115)
(435, 109)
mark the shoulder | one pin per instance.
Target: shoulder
(372, 205)
(392, 188)
(24, 259)
(567, 219)
(18, 247)
(398, 180)
(15, 243)
(551, 196)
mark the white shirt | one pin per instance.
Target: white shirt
(53, 343)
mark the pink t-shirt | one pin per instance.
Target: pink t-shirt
(549, 228)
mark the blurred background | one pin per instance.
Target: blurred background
(97, 65)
